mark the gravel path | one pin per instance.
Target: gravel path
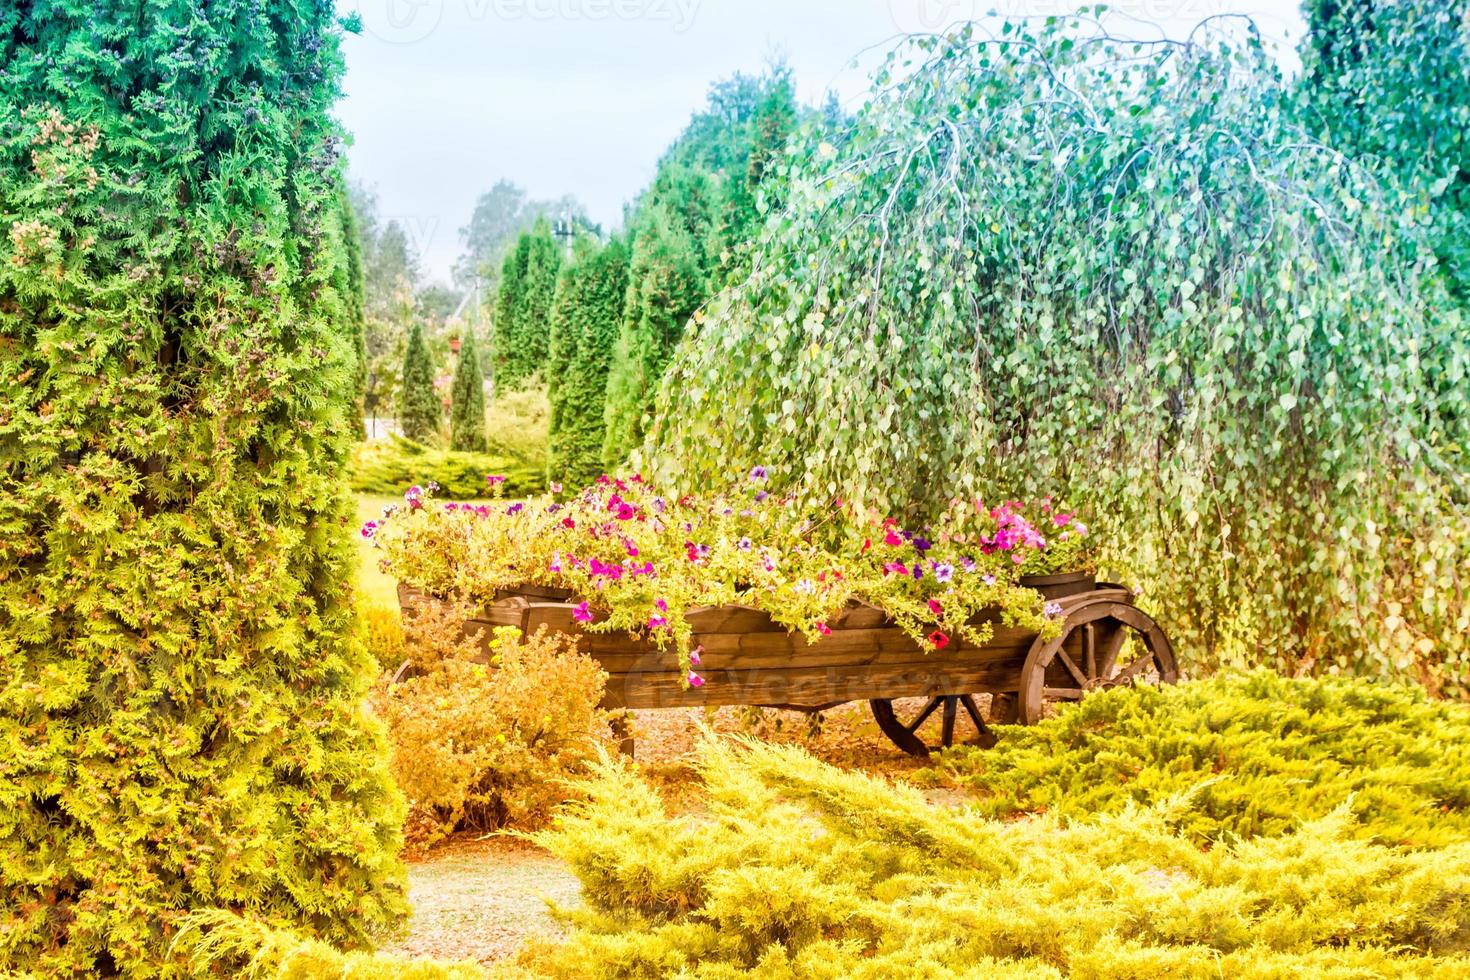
(480, 899)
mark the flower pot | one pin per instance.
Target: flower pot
(1061, 584)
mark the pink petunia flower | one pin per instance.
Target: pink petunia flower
(694, 657)
(581, 613)
(695, 680)
(369, 529)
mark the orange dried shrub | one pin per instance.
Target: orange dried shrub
(482, 746)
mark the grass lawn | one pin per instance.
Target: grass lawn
(377, 589)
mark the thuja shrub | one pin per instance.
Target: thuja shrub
(1246, 755)
(801, 869)
(180, 687)
(1042, 259)
(483, 745)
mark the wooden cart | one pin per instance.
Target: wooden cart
(749, 660)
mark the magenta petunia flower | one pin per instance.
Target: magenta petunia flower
(824, 629)
(581, 613)
(694, 657)
(626, 512)
(369, 529)
(935, 607)
(657, 622)
(892, 539)
(661, 605)
(695, 680)
(495, 481)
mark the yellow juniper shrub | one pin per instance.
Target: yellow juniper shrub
(1254, 753)
(799, 869)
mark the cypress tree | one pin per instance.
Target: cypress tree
(523, 307)
(419, 408)
(584, 328)
(666, 284)
(180, 683)
(507, 306)
(467, 400)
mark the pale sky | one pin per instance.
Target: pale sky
(444, 97)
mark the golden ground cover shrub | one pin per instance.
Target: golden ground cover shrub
(483, 746)
(219, 943)
(799, 869)
(1257, 753)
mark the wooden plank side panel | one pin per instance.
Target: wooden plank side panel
(810, 685)
(740, 652)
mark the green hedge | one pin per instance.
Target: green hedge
(180, 686)
(389, 466)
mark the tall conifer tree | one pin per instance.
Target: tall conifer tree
(584, 328)
(467, 400)
(419, 408)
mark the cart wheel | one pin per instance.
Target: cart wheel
(959, 716)
(1093, 653)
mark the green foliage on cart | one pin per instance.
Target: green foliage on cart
(1245, 754)
(804, 869)
(181, 703)
(522, 324)
(584, 328)
(1046, 262)
(467, 400)
(419, 408)
(388, 467)
(1389, 84)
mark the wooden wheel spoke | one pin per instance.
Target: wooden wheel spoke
(1112, 645)
(924, 715)
(973, 710)
(1072, 668)
(1066, 693)
(1126, 674)
(1089, 650)
(946, 737)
